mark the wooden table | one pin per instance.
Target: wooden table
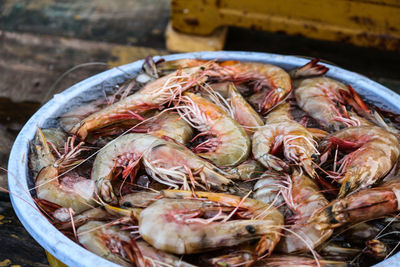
(36, 48)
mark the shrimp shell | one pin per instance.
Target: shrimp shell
(229, 145)
(151, 96)
(171, 224)
(376, 153)
(156, 155)
(280, 129)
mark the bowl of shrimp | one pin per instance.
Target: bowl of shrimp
(213, 159)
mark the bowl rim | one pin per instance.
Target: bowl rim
(69, 252)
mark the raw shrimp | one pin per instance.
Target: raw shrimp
(228, 144)
(269, 188)
(303, 197)
(128, 150)
(244, 114)
(328, 101)
(116, 245)
(261, 75)
(155, 257)
(70, 190)
(241, 110)
(312, 68)
(280, 129)
(376, 152)
(80, 219)
(40, 155)
(105, 241)
(188, 225)
(74, 116)
(151, 96)
(168, 124)
(322, 99)
(246, 170)
(364, 205)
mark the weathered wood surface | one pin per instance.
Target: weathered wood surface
(30, 64)
(18, 247)
(134, 22)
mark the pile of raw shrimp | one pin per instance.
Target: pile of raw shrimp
(200, 163)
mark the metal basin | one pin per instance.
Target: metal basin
(19, 181)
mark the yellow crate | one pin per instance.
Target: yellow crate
(373, 23)
(53, 261)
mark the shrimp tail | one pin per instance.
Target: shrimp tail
(216, 179)
(274, 97)
(376, 248)
(47, 207)
(106, 190)
(273, 162)
(264, 245)
(307, 166)
(353, 99)
(311, 69)
(133, 252)
(349, 185)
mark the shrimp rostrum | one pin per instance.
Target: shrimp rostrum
(116, 245)
(322, 98)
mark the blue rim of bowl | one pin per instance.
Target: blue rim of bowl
(71, 253)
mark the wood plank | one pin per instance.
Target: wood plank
(37, 61)
(19, 248)
(135, 22)
(183, 42)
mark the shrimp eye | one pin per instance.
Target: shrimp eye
(314, 157)
(250, 229)
(332, 128)
(346, 245)
(202, 68)
(127, 205)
